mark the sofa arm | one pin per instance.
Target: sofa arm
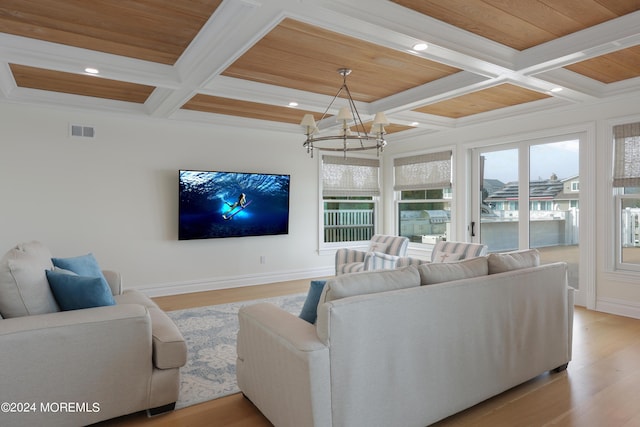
(348, 256)
(169, 347)
(99, 355)
(282, 366)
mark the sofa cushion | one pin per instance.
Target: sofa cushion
(74, 292)
(24, 289)
(439, 272)
(309, 310)
(515, 260)
(369, 282)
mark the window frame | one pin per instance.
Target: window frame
(329, 248)
(619, 198)
(451, 191)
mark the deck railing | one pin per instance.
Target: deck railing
(348, 225)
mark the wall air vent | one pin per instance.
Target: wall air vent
(82, 131)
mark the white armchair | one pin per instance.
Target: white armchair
(352, 260)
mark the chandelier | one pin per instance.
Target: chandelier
(351, 135)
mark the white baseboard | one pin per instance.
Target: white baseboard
(618, 307)
(216, 283)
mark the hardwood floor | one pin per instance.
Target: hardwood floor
(600, 388)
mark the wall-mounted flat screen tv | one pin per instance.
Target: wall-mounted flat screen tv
(232, 204)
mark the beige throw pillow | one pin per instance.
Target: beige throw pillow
(507, 261)
(435, 272)
(378, 247)
(24, 289)
(439, 256)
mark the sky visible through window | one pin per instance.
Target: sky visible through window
(559, 158)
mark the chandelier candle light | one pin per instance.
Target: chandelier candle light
(358, 139)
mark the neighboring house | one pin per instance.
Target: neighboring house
(551, 194)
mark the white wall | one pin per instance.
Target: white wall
(117, 197)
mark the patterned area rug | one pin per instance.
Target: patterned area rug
(210, 333)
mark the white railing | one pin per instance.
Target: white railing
(348, 225)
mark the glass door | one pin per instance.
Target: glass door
(554, 203)
(528, 196)
(498, 199)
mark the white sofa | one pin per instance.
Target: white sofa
(78, 367)
(386, 351)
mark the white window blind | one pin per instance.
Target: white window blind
(423, 172)
(626, 166)
(352, 176)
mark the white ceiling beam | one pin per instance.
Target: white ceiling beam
(7, 82)
(52, 56)
(601, 39)
(564, 78)
(445, 88)
(388, 24)
(79, 102)
(225, 36)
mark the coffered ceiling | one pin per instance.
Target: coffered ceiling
(241, 62)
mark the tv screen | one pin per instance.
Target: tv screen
(232, 204)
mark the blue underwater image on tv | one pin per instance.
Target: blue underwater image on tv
(232, 204)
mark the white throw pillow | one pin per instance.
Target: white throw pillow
(432, 273)
(24, 289)
(378, 261)
(439, 256)
(507, 261)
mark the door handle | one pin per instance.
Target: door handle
(473, 229)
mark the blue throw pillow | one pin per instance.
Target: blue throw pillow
(310, 308)
(84, 265)
(73, 292)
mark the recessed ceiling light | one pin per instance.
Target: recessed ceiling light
(420, 47)
(556, 89)
(293, 104)
(90, 70)
(415, 124)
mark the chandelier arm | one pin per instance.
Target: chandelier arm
(354, 111)
(367, 141)
(324, 115)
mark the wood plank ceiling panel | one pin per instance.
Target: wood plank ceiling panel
(613, 67)
(525, 23)
(501, 96)
(152, 30)
(254, 110)
(301, 56)
(78, 84)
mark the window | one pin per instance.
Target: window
(575, 186)
(423, 183)
(350, 193)
(626, 187)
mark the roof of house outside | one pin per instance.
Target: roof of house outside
(552, 189)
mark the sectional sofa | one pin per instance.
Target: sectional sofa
(410, 346)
